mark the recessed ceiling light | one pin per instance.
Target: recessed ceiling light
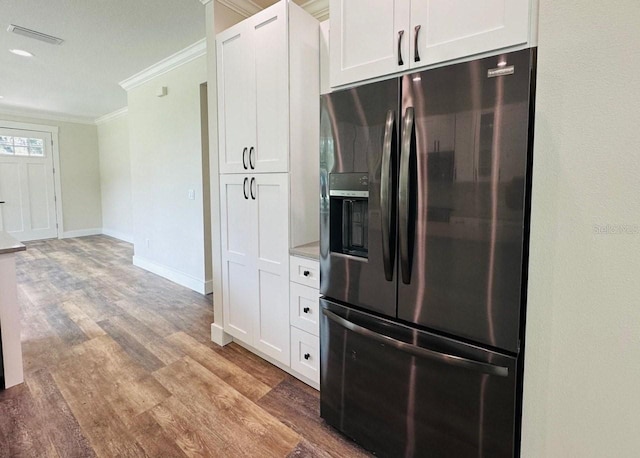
(21, 52)
(1, 96)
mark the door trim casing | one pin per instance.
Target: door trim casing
(53, 130)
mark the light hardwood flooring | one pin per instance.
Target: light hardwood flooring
(119, 362)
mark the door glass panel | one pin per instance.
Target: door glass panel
(21, 146)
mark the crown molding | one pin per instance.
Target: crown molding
(188, 54)
(319, 9)
(204, 2)
(111, 116)
(245, 8)
(45, 115)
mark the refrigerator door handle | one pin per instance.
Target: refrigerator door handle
(404, 194)
(385, 199)
(415, 350)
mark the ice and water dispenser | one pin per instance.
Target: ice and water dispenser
(349, 194)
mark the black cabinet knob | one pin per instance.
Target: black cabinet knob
(307, 356)
(306, 310)
(306, 273)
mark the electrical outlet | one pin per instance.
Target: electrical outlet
(192, 194)
(148, 243)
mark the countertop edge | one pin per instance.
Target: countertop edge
(9, 245)
(307, 251)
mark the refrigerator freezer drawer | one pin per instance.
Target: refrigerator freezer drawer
(402, 392)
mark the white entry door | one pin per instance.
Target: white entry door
(27, 196)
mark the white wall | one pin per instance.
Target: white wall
(582, 369)
(115, 178)
(166, 161)
(79, 174)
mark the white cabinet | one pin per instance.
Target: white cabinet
(305, 355)
(449, 29)
(325, 82)
(239, 261)
(369, 39)
(253, 96)
(268, 105)
(305, 320)
(10, 343)
(305, 271)
(255, 261)
(304, 311)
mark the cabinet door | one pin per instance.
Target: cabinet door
(271, 321)
(450, 29)
(236, 98)
(271, 88)
(239, 289)
(368, 38)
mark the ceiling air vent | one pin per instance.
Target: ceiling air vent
(35, 35)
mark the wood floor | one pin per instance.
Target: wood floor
(119, 362)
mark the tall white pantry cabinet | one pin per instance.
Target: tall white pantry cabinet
(268, 111)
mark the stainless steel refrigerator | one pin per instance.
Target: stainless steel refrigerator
(425, 191)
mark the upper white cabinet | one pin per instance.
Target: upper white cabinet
(370, 39)
(253, 96)
(449, 29)
(236, 98)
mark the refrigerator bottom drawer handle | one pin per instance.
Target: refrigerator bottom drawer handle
(445, 358)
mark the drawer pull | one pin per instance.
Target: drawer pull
(306, 309)
(306, 273)
(307, 356)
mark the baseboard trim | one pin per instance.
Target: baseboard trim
(173, 275)
(80, 233)
(218, 335)
(118, 235)
(208, 286)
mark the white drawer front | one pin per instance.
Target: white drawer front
(305, 271)
(304, 308)
(305, 354)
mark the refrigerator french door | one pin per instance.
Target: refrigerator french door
(358, 153)
(424, 216)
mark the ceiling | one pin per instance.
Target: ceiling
(104, 42)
